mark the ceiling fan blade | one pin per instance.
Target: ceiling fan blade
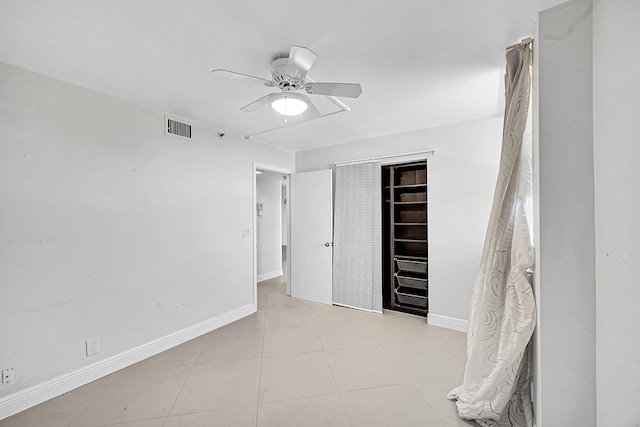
(265, 100)
(347, 90)
(300, 62)
(235, 74)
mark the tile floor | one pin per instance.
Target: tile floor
(293, 363)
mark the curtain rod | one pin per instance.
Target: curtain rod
(373, 159)
(523, 41)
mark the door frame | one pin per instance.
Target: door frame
(284, 171)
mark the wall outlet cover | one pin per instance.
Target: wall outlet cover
(93, 346)
(8, 375)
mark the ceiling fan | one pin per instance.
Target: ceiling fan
(289, 74)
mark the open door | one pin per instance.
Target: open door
(311, 251)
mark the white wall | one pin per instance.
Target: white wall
(565, 242)
(616, 32)
(269, 226)
(462, 178)
(111, 229)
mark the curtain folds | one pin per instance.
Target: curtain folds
(357, 254)
(496, 389)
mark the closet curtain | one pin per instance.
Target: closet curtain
(496, 385)
(357, 237)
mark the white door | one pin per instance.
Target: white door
(311, 251)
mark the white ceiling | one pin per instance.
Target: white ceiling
(421, 63)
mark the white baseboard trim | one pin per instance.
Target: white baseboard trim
(448, 322)
(270, 275)
(31, 396)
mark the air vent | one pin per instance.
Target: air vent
(174, 127)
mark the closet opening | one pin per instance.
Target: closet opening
(405, 254)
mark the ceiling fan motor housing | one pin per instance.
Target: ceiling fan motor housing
(284, 81)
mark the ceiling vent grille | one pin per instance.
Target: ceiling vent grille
(174, 127)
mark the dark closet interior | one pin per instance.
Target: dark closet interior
(405, 284)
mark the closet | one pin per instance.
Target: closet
(405, 270)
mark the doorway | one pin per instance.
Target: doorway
(270, 225)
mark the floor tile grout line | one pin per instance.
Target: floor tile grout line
(454, 354)
(424, 398)
(188, 376)
(264, 333)
(300, 398)
(196, 412)
(326, 358)
(125, 423)
(324, 352)
(83, 410)
(292, 354)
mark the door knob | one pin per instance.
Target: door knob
(328, 244)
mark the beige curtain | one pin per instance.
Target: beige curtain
(496, 389)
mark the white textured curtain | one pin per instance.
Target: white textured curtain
(357, 237)
(496, 387)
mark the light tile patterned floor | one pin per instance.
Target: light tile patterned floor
(293, 363)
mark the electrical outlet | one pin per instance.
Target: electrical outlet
(246, 232)
(8, 376)
(93, 346)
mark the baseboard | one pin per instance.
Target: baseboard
(448, 322)
(24, 399)
(270, 275)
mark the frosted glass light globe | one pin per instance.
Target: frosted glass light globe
(289, 106)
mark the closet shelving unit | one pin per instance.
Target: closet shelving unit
(405, 249)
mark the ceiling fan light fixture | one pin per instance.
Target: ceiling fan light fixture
(289, 105)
